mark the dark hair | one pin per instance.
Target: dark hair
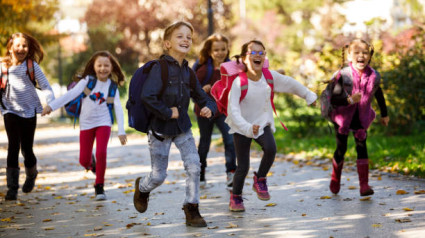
(206, 49)
(348, 48)
(244, 50)
(35, 51)
(116, 75)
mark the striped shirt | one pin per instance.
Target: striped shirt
(21, 97)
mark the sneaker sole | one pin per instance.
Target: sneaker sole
(100, 197)
(236, 210)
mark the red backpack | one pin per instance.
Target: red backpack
(229, 71)
(5, 73)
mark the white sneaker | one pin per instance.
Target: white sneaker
(100, 197)
(229, 180)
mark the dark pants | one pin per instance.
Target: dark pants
(242, 146)
(206, 127)
(20, 134)
(341, 146)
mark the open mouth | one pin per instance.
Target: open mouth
(257, 62)
(185, 46)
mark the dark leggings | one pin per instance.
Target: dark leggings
(242, 147)
(341, 147)
(20, 134)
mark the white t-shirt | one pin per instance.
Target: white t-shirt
(255, 108)
(94, 111)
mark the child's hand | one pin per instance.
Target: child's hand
(313, 104)
(123, 139)
(175, 114)
(384, 120)
(205, 112)
(46, 110)
(255, 129)
(207, 88)
(355, 98)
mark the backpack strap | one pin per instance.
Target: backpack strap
(244, 85)
(110, 99)
(270, 82)
(90, 85)
(164, 74)
(30, 71)
(4, 75)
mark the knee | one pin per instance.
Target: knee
(157, 178)
(193, 168)
(270, 150)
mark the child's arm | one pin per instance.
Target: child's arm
(208, 106)
(286, 84)
(43, 83)
(379, 95)
(67, 97)
(119, 115)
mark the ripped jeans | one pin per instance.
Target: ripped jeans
(160, 150)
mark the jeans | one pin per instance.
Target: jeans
(206, 127)
(243, 145)
(160, 150)
(20, 134)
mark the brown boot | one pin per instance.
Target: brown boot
(140, 199)
(193, 218)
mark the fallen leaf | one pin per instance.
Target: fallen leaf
(98, 228)
(231, 225)
(401, 192)
(212, 227)
(303, 214)
(378, 225)
(408, 209)
(365, 199)
(49, 228)
(325, 197)
(203, 197)
(47, 220)
(420, 192)
(271, 204)
(403, 220)
(269, 174)
(58, 197)
(352, 187)
(8, 219)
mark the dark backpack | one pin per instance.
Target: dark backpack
(138, 115)
(5, 77)
(210, 70)
(326, 95)
(73, 108)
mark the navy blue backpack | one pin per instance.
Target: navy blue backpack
(73, 108)
(138, 115)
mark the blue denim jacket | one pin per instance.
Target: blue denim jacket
(177, 94)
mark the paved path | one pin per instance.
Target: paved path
(62, 205)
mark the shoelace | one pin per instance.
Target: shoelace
(263, 185)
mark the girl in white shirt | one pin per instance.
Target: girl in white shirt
(252, 118)
(95, 119)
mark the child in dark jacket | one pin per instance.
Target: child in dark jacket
(171, 123)
(352, 95)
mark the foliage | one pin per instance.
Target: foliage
(33, 17)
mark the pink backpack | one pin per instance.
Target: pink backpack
(229, 71)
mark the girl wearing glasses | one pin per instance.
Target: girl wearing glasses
(252, 119)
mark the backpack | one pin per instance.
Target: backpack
(73, 108)
(138, 115)
(229, 71)
(210, 70)
(5, 77)
(326, 107)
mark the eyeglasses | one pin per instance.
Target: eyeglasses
(253, 52)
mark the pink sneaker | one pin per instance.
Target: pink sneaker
(260, 187)
(236, 203)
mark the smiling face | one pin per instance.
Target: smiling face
(254, 62)
(180, 41)
(219, 51)
(19, 50)
(359, 55)
(103, 68)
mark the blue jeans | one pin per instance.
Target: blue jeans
(206, 127)
(160, 150)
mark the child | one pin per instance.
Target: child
(214, 52)
(95, 118)
(171, 123)
(351, 98)
(20, 105)
(252, 118)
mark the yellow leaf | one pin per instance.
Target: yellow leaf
(379, 178)
(47, 188)
(49, 228)
(114, 201)
(377, 225)
(58, 197)
(148, 224)
(325, 197)
(203, 197)
(8, 219)
(47, 220)
(90, 235)
(420, 192)
(271, 204)
(365, 199)
(401, 192)
(269, 174)
(303, 214)
(231, 225)
(408, 209)
(352, 187)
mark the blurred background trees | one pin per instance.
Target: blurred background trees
(302, 37)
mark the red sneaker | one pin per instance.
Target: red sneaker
(260, 187)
